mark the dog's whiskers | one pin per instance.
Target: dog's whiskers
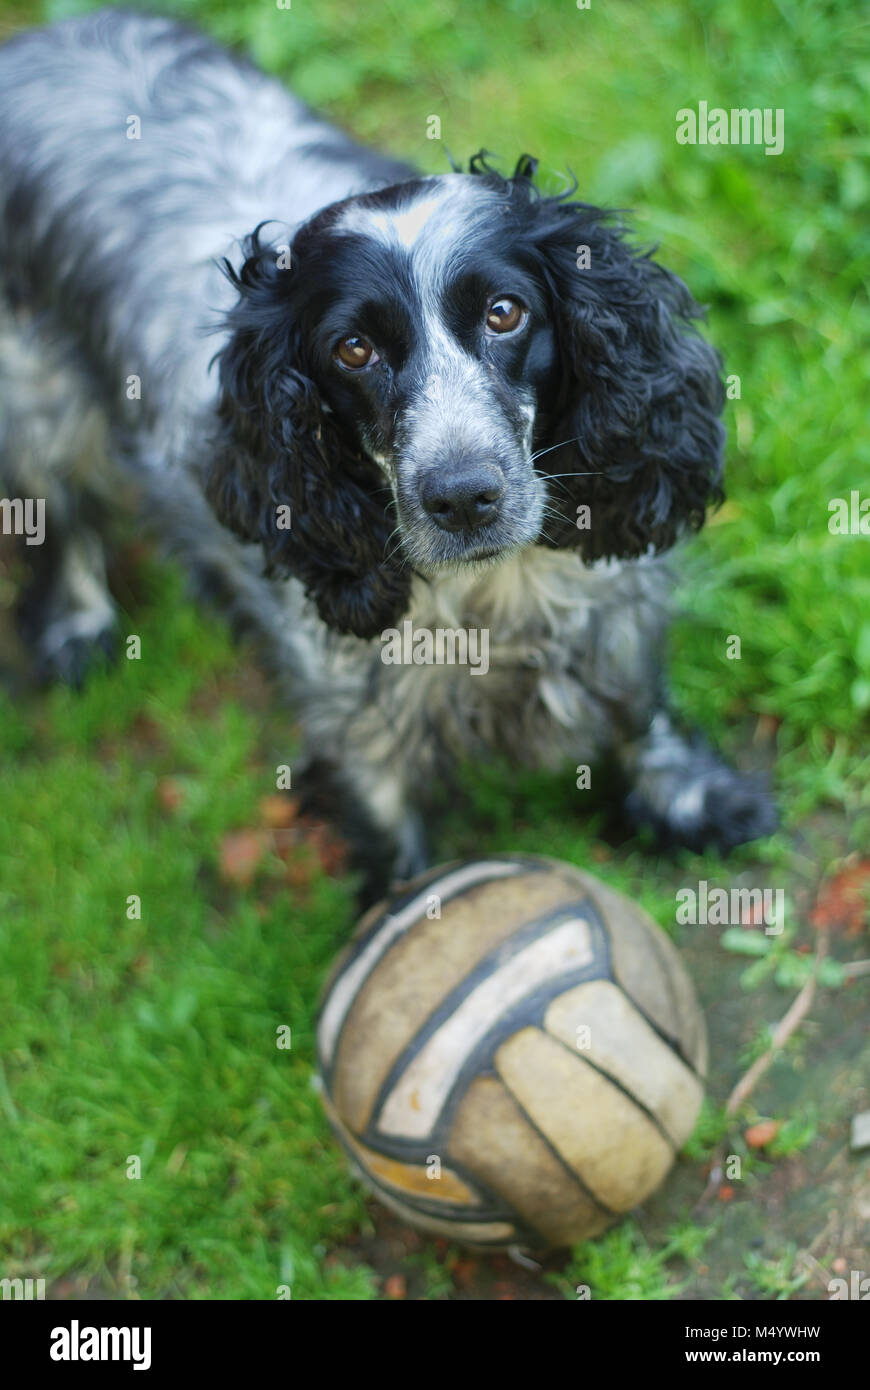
(592, 473)
(561, 445)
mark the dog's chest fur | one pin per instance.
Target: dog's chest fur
(563, 643)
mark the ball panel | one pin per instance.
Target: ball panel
(410, 1180)
(622, 1043)
(414, 1104)
(494, 1140)
(405, 989)
(381, 926)
(617, 1151)
(648, 967)
(475, 1220)
(493, 1234)
(693, 1029)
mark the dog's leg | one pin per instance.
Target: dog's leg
(687, 795)
(676, 783)
(66, 615)
(385, 837)
(53, 457)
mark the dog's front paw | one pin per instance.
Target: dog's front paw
(703, 805)
(687, 796)
(719, 810)
(69, 649)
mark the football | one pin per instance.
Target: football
(511, 1053)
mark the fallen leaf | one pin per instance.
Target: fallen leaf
(843, 902)
(464, 1271)
(395, 1286)
(241, 853)
(147, 731)
(726, 1194)
(766, 728)
(278, 812)
(760, 1135)
(170, 795)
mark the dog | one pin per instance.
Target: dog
(356, 400)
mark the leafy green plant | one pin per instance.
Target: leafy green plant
(775, 1276)
(622, 1265)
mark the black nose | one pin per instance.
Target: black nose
(462, 499)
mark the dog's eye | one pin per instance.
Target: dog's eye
(505, 315)
(355, 352)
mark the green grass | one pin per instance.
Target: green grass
(156, 1037)
(621, 1266)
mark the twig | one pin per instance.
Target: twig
(818, 1272)
(750, 1079)
(781, 1034)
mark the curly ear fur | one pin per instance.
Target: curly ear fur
(276, 446)
(640, 391)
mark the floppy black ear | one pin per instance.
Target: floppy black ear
(278, 449)
(639, 391)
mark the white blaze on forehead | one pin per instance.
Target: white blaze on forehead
(393, 226)
(438, 214)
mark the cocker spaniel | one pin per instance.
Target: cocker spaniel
(436, 409)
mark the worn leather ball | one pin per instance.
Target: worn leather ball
(511, 1053)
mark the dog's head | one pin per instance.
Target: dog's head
(448, 369)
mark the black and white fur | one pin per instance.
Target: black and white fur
(441, 482)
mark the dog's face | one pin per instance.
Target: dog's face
(433, 344)
(449, 369)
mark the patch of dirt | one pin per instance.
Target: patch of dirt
(396, 1254)
(815, 1202)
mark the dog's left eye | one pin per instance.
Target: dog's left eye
(505, 315)
(355, 352)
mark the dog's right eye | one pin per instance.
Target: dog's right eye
(354, 352)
